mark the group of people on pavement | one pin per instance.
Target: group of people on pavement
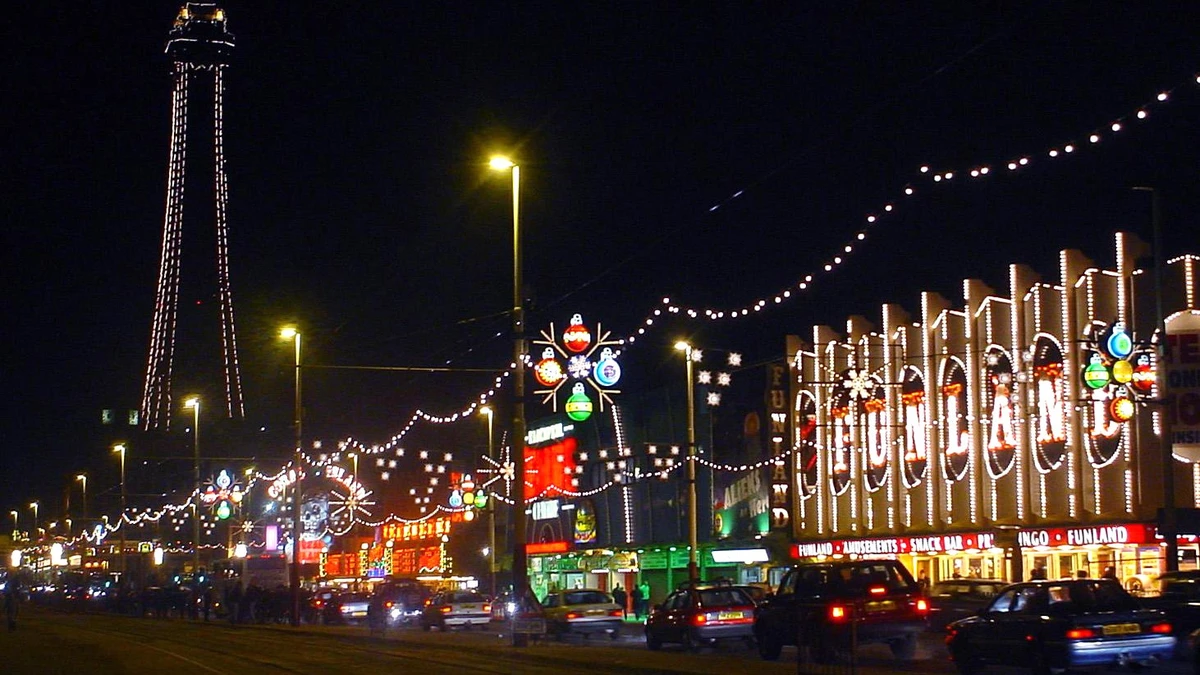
(640, 595)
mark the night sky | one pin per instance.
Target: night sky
(713, 153)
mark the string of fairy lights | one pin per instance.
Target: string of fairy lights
(388, 454)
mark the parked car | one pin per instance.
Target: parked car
(582, 610)
(756, 593)
(404, 601)
(346, 608)
(1052, 625)
(456, 608)
(829, 606)
(957, 599)
(1179, 597)
(701, 615)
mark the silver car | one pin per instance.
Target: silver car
(584, 611)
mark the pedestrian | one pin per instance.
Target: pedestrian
(923, 581)
(1110, 572)
(12, 596)
(645, 588)
(636, 595)
(622, 599)
(234, 601)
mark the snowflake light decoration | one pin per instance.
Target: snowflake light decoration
(579, 367)
(704, 377)
(723, 379)
(499, 470)
(735, 360)
(346, 506)
(859, 384)
(713, 398)
(697, 355)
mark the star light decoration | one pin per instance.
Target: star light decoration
(722, 379)
(347, 505)
(500, 470)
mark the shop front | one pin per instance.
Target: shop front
(553, 566)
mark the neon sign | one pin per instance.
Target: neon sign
(956, 438)
(1050, 419)
(998, 405)
(416, 531)
(915, 412)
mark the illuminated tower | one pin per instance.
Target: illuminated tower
(199, 46)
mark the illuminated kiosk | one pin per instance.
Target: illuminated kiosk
(1013, 422)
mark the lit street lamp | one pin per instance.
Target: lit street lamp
(520, 567)
(120, 448)
(16, 524)
(82, 478)
(693, 568)
(34, 506)
(290, 333)
(194, 404)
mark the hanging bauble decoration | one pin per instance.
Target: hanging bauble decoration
(576, 337)
(1095, 375)
(1121, 409)
(579, 406)
(548, 372)
(1122, 372)
(456, 499)
(1144, 376)
(607, 371)
(1119, 344)
(481, 499)
(224, 510)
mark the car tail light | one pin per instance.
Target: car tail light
(839, 613)
(699, 619)
(573, 615)
(616, 612)
(388, 604)
(428, 602)
(446, 609)
(1164, 628)
(877, 590)
(922, 605)
(1080, 633)
(319, 604)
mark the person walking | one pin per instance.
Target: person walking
(12, 596)
(636, 594)
(644, 587)
(622, 599)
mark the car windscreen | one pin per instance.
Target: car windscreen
(586, 598)
(723, 597)
(352, 597)
(1090, 596)
(857, 579)
(465, 597)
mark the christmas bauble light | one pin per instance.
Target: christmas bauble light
(456, 499)
(577, 338)
(579, 406)
(548, 372)
(607, 372)
(224, 510)
(1118, 344)
(1144, 376)
(481, 499)
(1122, 372)
(1095, 375)
(1121, 409)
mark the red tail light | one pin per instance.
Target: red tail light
(487, 606)
(388, 604)
(838, 613)
(1164, 628)
(1080, 633)
(922, 605)
(699, 619)
(445, 609)
(877, 590)
(573, 615)
(616, 612)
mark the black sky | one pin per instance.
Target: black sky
(357, 132)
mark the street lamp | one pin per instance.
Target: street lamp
(83, 479)
(34, 506)
(16, 524)
(194, 403)
(693, 569)
(520, 569)
(290, 333)
(120, 448)
(486, 410)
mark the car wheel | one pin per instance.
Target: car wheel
(652, 642)
(769, 647)
(905, 648)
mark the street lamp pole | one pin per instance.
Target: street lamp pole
(194, 404)
(120, 448)
(83, 479)
(16, 523)
(33, 530)
(520, 566)
(693, 544)
(294, 576)
(491, 508)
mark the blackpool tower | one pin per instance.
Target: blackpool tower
(193, 342)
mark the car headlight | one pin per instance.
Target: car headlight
(511, 608)
(395, 613)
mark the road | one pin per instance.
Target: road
(49, 642)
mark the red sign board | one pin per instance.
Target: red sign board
(1128, 533)
(547, 547)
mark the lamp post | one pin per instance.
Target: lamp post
(34, 507)
(16, 523)
(693, 568)
(120, 449)
(194, 404)
(290, 333)
(491, 505)
(82, 478)
(520, 568)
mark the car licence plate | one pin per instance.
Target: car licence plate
(469, 607)
(1122, 629)
(727, 616)
(881, 606)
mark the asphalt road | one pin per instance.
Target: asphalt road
(51, 642)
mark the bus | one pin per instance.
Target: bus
(268, 571)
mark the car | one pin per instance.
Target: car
(756, 593)
(456, 608)
(1054, 625)
(699, 615)
(827, 607)
(585, 611)
(403, 601)
(346, 608)
(956, 599)
(1179, 598)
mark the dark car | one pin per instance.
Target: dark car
(756, 593)
(829, 606)
(1179, 597)
(701, 615)
(1052, 625)
(957, 599)
(403, 601)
